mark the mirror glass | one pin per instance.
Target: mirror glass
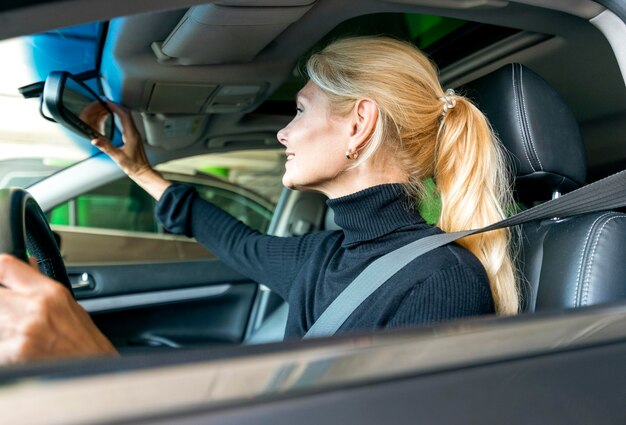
(81, 103)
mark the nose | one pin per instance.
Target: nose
(282, 136)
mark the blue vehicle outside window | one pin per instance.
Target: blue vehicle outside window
(72, 49)
(32, 148)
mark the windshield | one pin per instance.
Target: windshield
(31, 147)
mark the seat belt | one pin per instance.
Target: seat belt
(604, 194)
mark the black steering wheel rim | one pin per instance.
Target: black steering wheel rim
(24, 228)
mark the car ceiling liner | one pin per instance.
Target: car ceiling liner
(236, 31)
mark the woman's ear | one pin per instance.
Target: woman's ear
(364, 117)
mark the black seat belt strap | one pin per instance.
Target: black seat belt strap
(604, 194)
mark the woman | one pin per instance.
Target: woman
(371, 125)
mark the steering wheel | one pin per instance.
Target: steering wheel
(23, 226)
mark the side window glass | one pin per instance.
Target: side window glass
(120, 205)
(115, 222)
(254, 213)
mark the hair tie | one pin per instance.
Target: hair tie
(449, 101)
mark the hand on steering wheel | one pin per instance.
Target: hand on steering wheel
(23, 225)
(39, 318)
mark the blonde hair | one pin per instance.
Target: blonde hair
(458, 149)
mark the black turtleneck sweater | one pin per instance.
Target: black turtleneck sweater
(310, 271)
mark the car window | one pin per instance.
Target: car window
(115, 222)
(120, 205)
(32, 148)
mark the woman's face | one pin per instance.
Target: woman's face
(315, 141)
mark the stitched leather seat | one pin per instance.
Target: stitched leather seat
(566, 263)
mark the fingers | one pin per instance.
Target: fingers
(130, 135)
(12, 305)
(40, 320)
(117, 108)
(107, 147)
(128, 125)
(19, 276)
(131, 158)
(10, 351)
(104, 145)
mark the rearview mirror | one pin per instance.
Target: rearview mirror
(75, 106)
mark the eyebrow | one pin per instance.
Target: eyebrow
(302, 95)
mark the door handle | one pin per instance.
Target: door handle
(82, 282)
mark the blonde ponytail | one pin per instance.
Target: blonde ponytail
(458, 149)
(470, 171)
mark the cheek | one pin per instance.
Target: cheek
(334, 151)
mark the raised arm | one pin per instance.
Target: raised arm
(273, 261)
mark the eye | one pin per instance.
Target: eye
(299, 110)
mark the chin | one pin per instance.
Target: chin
(293, 185)
(301, 184)
(289, 183)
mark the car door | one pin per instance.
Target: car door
(147, 288)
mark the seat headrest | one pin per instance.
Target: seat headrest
(536, 126)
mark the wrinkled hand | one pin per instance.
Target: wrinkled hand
(40, 320)
(131, 158)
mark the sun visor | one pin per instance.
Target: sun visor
(219, 34)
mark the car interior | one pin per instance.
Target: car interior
(218, 77)
(209, 84)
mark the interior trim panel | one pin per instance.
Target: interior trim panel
(123, 302)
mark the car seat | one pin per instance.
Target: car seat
(564, 263)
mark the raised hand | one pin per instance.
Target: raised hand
(131, 157)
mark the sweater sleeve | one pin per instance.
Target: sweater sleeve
(270, 260)
(448, 294)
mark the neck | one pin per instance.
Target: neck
(360, 178)
(373, 212)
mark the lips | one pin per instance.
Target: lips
(290, 155)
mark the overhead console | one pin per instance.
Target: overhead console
(228, 31)
(202, 98)
(225, 32)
